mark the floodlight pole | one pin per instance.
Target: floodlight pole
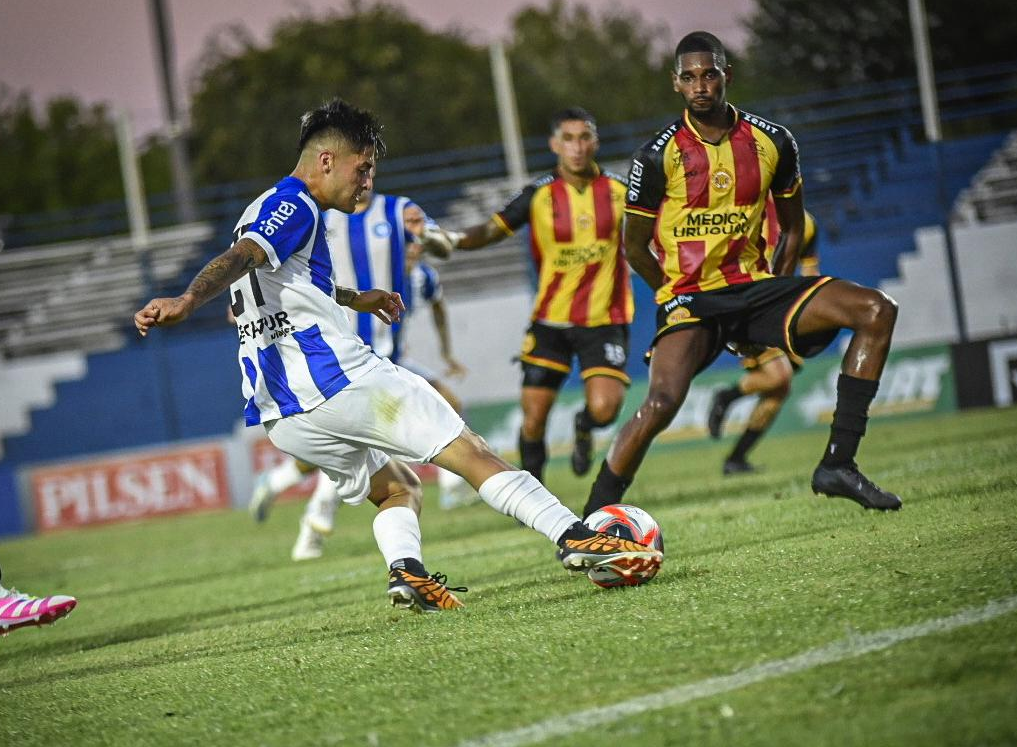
(183, 186)
(934, 135)
(508, 116)
(134, 191)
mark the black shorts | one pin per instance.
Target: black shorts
(764, 312)
(547, 353)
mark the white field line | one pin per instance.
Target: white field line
(848, 648)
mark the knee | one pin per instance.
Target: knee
(660, 408)
(603, 410)
(880, 312)
(781, 389)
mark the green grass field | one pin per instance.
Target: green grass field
(201, 630)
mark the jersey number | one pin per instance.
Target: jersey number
(237, 307)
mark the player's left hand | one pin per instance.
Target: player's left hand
(385, 305)
(454, 369)
(162, 312)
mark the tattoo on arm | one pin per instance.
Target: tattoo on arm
(345, 296)
(224, 270)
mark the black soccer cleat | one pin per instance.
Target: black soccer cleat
(581, 549)
(738, 467)
(582, 448)
(718, 409)
(421, 593)
(847, 481)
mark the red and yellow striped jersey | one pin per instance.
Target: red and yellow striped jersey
(708, 200)
(575, 241)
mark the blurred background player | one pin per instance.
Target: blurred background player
(584, 301)
(768, 372)
(712, 168)
(19, 610)
(375, 246)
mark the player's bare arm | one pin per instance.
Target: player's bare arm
(638, 232)
(480, 235)
(385, 305)
(214, 278)
(440, 317)
(791, 218)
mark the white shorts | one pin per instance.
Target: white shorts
(387, 412)
(419, 369)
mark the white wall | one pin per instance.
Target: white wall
(987, 261)
(486, 334)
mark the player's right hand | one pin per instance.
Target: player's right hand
(162, 312)
(438, 241)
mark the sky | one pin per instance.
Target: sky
(104, 50)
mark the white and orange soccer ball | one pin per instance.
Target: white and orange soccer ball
(631, 523)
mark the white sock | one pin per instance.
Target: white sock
(397, 532)
(324, 502)
(284, 476)
(520, 495)
(324, 489)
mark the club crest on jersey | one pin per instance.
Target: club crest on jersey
(382, 230)
(722, 180)
(277, 218)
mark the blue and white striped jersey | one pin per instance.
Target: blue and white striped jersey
(369, 251)
(297, 346)
(423, 286)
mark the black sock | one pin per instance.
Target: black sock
(586, 422)
(854, 396)
(608, 488)
(729, 394)
(410, 565)
(746, 442)
(577, 531)
(533, 456)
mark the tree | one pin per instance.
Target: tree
(804, 44)
(614, 64)
(431, 90)
(65, 158)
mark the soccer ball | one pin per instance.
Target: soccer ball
(631, 523)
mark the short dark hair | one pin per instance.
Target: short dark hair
(567, 115)
(700, 41)
(358, 127)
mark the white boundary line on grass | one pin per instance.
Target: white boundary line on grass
(848, 648)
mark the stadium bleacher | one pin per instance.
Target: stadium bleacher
(76, 296)
(869, 180)
(992, 196)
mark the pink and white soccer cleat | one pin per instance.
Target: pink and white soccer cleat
(21, 610)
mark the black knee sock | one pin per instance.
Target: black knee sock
(586, 422)
(746, 442)
(728, 395)
(854, 396)
(608, 488)
(532, 456)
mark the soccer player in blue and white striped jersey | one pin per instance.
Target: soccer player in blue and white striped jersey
(323, 396)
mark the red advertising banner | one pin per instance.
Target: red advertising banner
(156, 483)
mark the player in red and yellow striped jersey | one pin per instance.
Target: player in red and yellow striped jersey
(697, 192)
(768, 371)
(584, 300)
